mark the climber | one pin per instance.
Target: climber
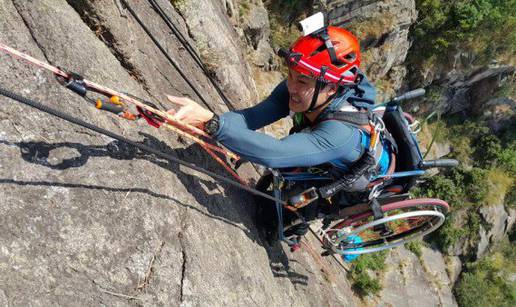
(323, 80)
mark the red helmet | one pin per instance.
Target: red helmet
(330, 55)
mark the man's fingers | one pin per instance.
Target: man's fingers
(177, 100)
(171, 112)
(180, 115)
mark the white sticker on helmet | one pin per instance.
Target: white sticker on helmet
(312, 23)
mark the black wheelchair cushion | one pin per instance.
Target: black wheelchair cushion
(408, 157)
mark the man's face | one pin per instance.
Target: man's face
(301, 89)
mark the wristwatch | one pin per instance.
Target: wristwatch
(212, 125)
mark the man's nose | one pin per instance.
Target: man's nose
(292, 87)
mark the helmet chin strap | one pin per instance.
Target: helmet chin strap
(318, 86)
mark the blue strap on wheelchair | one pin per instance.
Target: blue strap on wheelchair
(353, 239)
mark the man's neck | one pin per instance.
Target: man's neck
(313, 115)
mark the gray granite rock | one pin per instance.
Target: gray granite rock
(382, 28)
(220, 47)
(410, 281)
(496, 219)
(85, 223)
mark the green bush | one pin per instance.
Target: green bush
(416, 247)
(506, 158)
(475, 184)
(487, 149)
(486, 27)
(374, 262)
(448, 234)
(284, 16)
(363, 284)
(459, 187)
(487, 281)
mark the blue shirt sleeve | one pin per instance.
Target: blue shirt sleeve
(327, 141)
(265, 113)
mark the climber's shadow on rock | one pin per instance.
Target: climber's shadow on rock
(217, 204)
(44, 154)
(206, 192)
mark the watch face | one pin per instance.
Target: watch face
(212, 126)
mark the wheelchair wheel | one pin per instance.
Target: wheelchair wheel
(403, 222)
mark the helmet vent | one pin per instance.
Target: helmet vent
(351, 56)
(318, 50)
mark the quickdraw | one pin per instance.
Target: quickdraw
(116, 102)
(143, 147)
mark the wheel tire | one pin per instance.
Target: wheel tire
(438, 204)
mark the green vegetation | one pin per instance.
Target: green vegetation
(487, 282)
(243, 9)
(484, 27)
(178, 3)
(363, 283)
(284, 16)
(483, 31)
(448, 235)
(485, 177)
(416, 247)
(460, 187)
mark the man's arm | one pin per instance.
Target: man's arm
(266, 112)
(330, 140)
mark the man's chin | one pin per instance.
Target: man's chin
(296, 107)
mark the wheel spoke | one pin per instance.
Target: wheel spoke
(405, 221)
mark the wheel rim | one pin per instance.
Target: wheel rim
(402, 227)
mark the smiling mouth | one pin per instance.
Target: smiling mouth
(294, 100)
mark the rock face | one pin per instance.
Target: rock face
(382, 28)
(256, 31)
(220, 46)
(497, 223)
(410, 280)
(473, 94)
(86, 222)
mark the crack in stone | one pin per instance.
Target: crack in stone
(184, 257)
(172, 84)
(40, 47)
(188, 29)
(91, 18)
(151, 270)
(183, 267)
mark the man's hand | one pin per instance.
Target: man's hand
(190, 112)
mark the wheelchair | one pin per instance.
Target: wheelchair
(382, 217)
